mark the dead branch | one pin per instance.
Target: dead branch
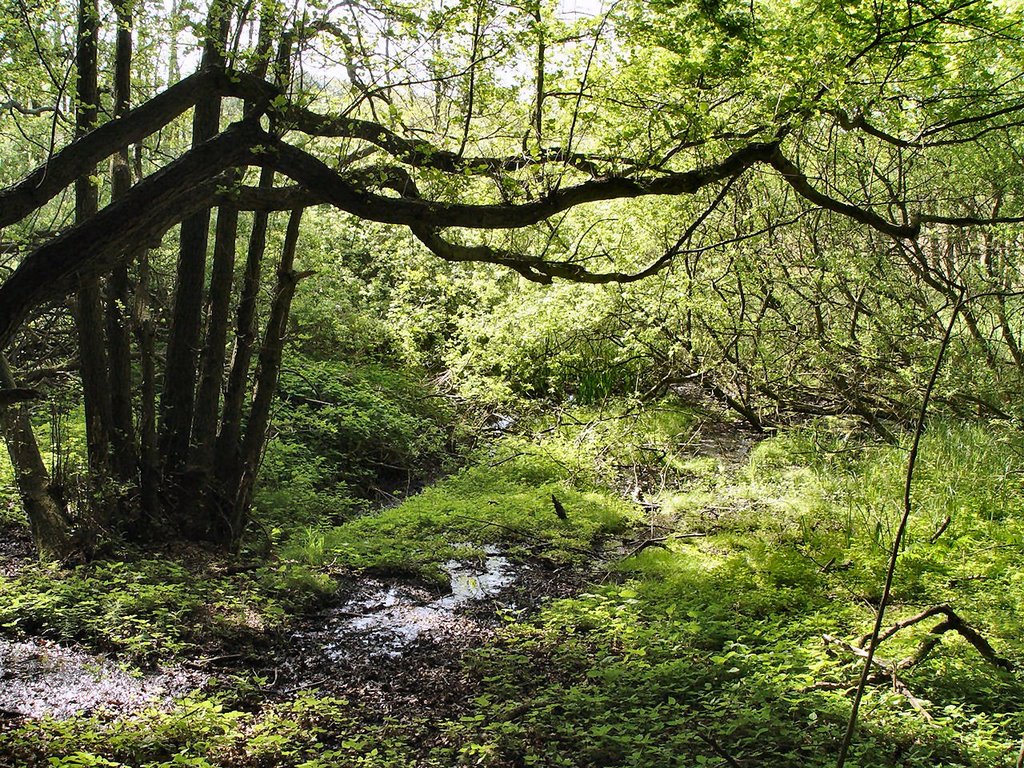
(889, 668)
(17, 395)
(659, 541)
(645, 544)
(718, 749)
(951, 622)
(940, 530)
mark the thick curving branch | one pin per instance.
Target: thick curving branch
(75, 160)
(924, 139)
(192, 182)
(803, 187)
(423, 154)
(322, 181)
(141, 217)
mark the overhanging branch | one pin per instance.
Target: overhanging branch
(141, 217)
(76, 159)
(322, 181)
(803, 187)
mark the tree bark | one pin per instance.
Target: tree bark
(228, 453)
(88, 307)
(267, 371)
(228, 440)
(79, 158)
(122, 433)
(51, 529)
(177, 401)
(149, 457)
(204, 430)
(138, 220)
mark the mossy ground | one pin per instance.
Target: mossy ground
(703, 648)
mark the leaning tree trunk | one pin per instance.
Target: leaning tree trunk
(48, 519)
(204, 428)
(267, 370)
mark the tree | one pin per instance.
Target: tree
(817, 111)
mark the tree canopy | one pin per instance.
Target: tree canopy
(797, 169)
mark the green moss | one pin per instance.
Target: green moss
(711, 642)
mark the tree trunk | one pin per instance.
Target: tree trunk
(218, 303)
(51, 529)
(145, 335)
(229, 438)
(229, 452)
(267, 371)
(88, 309)
(177, 402)
(122, 436)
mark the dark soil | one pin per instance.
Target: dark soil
(426, 677)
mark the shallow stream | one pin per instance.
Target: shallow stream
(40, 678)
(379, 623)
(384, 619)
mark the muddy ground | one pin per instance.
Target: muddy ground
(393, 645)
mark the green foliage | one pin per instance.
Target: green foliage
(715, 644)
(307, 731)
(149, 608)
(344, 431)
(708, 644)
(503, 496)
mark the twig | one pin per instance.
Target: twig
(888, 667)
(507, 458)
(200, 663)
(658, 541)
(940, 530)
(952, 621)
(897, 543)
(719, 750)
(296, 688)
(935, 610)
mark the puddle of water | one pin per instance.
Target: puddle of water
(41, 678)
(387, 619)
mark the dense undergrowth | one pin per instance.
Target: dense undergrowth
(700, 642)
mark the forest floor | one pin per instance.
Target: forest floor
(699, 605)
(395, 644)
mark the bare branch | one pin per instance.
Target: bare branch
(799, 182)
(421, 153)
(30, 110)
(319, 179)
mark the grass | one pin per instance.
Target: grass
(703, 650)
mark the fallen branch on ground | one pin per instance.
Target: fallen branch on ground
(889, 668)
(659, 541)
(941, 529)
(951, 622)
